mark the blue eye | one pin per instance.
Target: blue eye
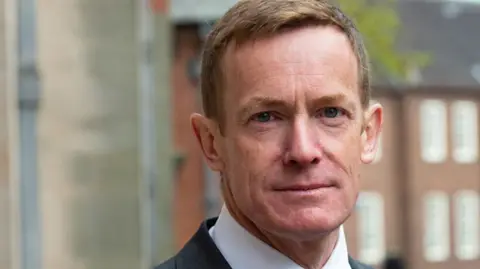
(263, 117)
(331, 112)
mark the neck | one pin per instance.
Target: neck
(310, 254)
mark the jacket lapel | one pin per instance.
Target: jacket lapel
(202, 253)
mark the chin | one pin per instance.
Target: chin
(305, 223)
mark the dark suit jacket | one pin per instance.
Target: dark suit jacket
(202, 253)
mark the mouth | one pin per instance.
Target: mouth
(303, 187)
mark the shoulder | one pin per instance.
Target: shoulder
(198, 253)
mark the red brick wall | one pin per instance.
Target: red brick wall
(188, 198)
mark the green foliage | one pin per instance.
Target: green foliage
(379, 24)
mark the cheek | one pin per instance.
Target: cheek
(244, 168)
(346, 153)
(249, 165)
(255, 155)
(346, 148)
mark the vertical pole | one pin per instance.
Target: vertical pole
(162, 61)
(28, 97)
(11, 33)
(148, 135)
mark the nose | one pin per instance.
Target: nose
(303, 148)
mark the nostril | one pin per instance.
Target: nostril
(292, 162)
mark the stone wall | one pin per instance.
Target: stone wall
(4, 164)
(88, 134)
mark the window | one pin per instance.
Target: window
(467, 218)
(436, 233)
(433, 131)
(371, 228)
(464, 131)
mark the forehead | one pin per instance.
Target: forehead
(317, 58)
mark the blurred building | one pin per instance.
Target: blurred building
(420, 199)
(196, 187)
(4, 169)
(87, 135)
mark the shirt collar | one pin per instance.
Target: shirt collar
(243, 250)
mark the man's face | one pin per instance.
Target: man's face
(295, 132)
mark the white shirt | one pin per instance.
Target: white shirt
(242, 250)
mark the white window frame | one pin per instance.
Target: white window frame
(436, 228)
(433, 130)
(467, 225)
(371, 228)
(464, 130)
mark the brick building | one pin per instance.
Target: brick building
(420, 199)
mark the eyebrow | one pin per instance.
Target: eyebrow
(260, 101)
(335, 99)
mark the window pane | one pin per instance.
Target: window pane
(467, 216)
(464, 133)
(433, 130)
(371, 228)
(436, 239)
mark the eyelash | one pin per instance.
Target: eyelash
(270, 114)
(340, 111)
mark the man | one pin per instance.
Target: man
(288, 122)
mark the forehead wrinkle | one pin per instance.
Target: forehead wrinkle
(254, 71)
(255, 65)
(258, 76)
(278, 52)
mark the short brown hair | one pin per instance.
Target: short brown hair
(252, 19)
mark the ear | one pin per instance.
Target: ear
(371, 132)
(208, 136)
